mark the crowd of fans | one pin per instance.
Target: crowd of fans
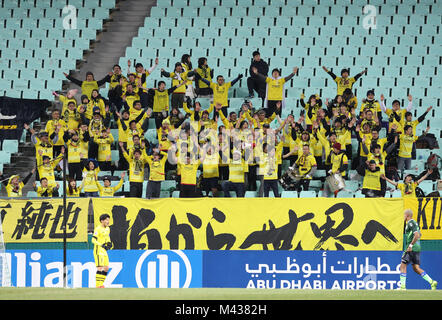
(210, 148)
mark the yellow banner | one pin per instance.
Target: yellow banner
(254, 224)
(427, 213)
(42, 220)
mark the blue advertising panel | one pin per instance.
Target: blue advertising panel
(128, 268)
(372, 270)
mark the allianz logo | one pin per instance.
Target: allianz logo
(163, 269)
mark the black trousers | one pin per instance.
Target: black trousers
(177, 100)
(255, 84)
(187, 191)
(76, 171)
(271, 185)
(136, 190)
(153, 189)
(271, 108)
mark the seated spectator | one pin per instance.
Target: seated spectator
(46, 190)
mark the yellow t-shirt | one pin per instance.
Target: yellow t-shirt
(108, 191)
(406, 145)
(157, 168)
(220, 93)
(275, 89)
(409, 192)
(344, 84)
(189, 173)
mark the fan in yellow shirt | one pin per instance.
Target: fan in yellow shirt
(408, 187)
(344, 82)
(137, 163)
(157, 164)
(236, 182)
(275, 89)
(90, 170)
(189, 173)
(14, 186)
(106, 190)
(396, 115)
(45, 190)
(210, 160)
(220, 90)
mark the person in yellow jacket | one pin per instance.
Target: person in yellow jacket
(408, 187)
(178, 76)
(66, 99)
(371, 185)
(46, 169)
(275, 89)
(157, 164)
(104, 142)
(72, 189)
(203, 72)
(160, 100)
(344, 82)
(89, 83)
(220, 90)
(236, 182)
(106, 190)
(59, 125)
(72, 116)
(137, 164)
(90, 170)
(189, 174)
(46, 190)
(396, 115)
(14, 186)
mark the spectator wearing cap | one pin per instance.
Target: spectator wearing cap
(43, 144)
(337, 161)
(254, 83)
(106, 190)
(370, 103)
(14, 186)
(344, 82)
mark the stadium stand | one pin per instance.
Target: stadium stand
(398, 57)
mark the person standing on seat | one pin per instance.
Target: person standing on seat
(253, 82)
